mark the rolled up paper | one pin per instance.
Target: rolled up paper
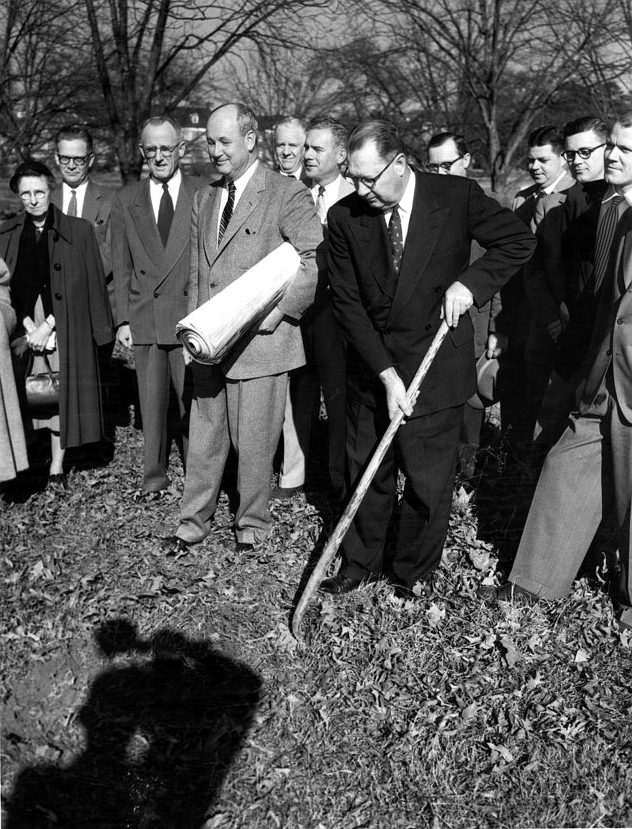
(209, 332)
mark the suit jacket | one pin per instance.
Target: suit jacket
(272, 209)
(150, 281)
(387, 327)
(611, 343)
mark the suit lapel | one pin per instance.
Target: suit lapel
(246, 204)
(180, 232)
(208, 221)
(142, 213)
(426, 220)
(91, 203)
(372, 237)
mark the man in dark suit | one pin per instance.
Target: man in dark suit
(237, 221)
(395, 248)
(80, 196)
(590, 467)
(151, 224)
(570, 232)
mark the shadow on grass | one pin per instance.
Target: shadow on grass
(161, 732)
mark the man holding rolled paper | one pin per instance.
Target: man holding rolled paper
(237, 222)
(399, 263)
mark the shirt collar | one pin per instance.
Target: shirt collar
(80, 188)
(173, 181)
(241, 182)
(406, 201)
(550, 188)
(330, 188)
(611, 193)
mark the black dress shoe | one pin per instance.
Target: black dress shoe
(58, 479)
(175, 546)
(245, 548)
(284, 493)
(511, 592)
(343, 584)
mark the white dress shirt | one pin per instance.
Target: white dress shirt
(156, 191)
(405, 205)
(240, 184)
(80, 192)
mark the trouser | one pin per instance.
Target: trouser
(425, 448)
(300, 409)
(158, 367)
(248, 413)
(586, 473)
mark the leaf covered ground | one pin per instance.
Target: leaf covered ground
(143, 691)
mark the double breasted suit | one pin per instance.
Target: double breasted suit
(391, 320)
(590, 467)
(151, 284)
(243, 399)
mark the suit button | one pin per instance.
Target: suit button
(620, 321)
(429, 327)
(142, 273)
(186, 293)
(213, 285)
(57, 296)
(57, 266)
(55, 237)
(438, 289)
(609, 352)
(156, 294)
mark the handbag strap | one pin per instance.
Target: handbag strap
(29, 368)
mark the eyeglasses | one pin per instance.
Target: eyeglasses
(79, 160)
(35, 195)
(371, 182)
(151, 152)
(445, 165)
(583, 152)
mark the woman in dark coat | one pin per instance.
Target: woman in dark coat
(57, 286)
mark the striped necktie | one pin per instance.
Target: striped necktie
(605, 234)
(227, 212)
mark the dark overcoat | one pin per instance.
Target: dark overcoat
(82, 318)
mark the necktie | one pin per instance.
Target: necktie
(605, 235)
(397, 240)
(321, 205)
(227, 212)
(165, 214)
(72, 204)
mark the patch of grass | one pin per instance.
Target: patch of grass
(142, 691)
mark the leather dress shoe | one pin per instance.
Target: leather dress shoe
(284, 493)
(175, 546)
(339, 584)
(58, 479)
(245, 548)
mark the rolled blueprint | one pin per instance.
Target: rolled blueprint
(209, 332)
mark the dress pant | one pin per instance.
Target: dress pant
(300, 409)
(425, 448)
(330, 355)
(248, 413)
(158, 367)
(586, 474)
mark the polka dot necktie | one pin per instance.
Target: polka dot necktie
(397, 240)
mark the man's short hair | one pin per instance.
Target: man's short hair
(383, 134)
(549, 134)
(442, 138)
(158, 121)
(327, 122)
(246, 119)
(31, 167)
(587, 123)
(290, 121)
(74, 132)
(625, 119)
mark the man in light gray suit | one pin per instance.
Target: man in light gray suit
(590, 467)
(151, 223)
(237, 221)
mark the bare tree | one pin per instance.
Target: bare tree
(137, 41)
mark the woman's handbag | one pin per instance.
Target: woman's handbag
(42, 390)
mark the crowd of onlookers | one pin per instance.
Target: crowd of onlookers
(536, 300)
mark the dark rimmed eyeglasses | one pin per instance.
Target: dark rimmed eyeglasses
(446, 166)
(370, 183)
(151, 152)
(582, 152)
(78, 160)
